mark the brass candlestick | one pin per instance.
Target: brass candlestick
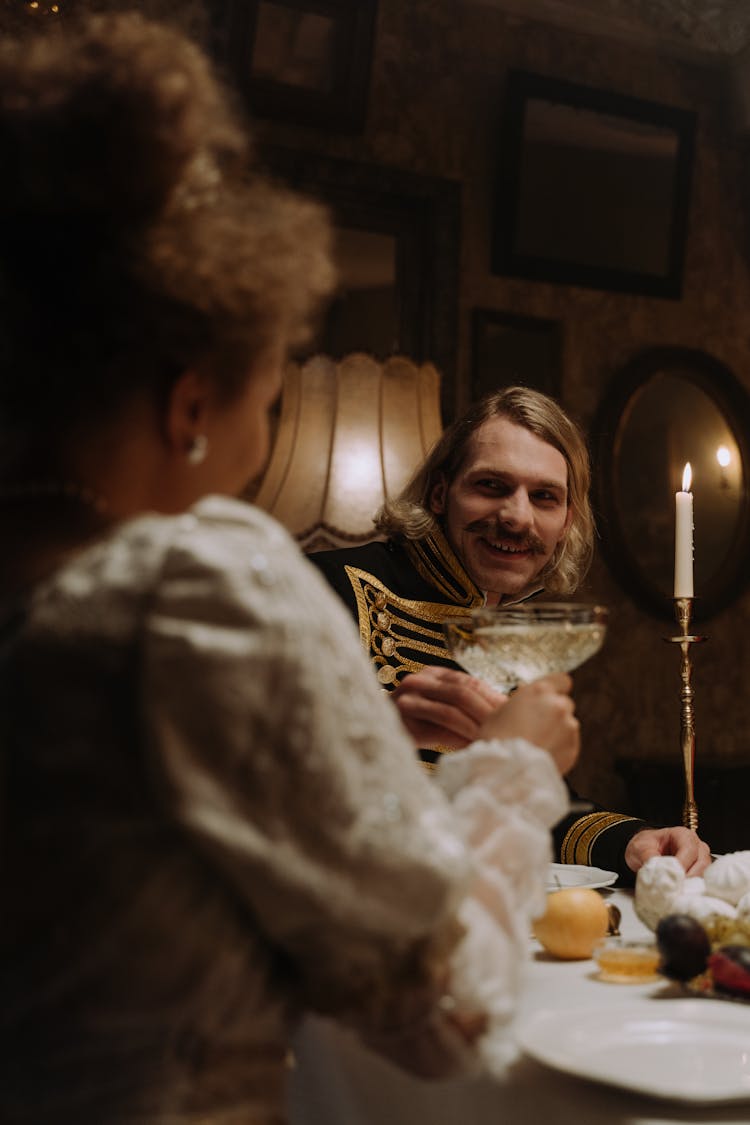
(683, 610)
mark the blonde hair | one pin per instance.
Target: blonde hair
(408, 515)
(134, 227)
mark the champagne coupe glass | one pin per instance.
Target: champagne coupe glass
(515, 645)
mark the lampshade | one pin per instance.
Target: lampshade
(350, 434)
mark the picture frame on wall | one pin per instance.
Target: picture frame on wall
(305, 61)
(593, 188)
(510, 349)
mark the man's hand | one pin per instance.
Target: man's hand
(444, 707)
(683, 843)
(543, 713)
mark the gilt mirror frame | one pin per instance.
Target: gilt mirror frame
(620, 553)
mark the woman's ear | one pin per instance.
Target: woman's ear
(437, 496)
(187, 412)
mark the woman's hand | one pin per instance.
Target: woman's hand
(543, 713)
(444, 707)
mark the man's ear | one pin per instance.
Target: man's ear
(187, 410)
(438, 493)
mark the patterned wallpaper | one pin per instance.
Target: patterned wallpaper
(436, 95)
(435, 103)
(717, 26)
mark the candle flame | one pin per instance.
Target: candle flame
(723, 456)
(687, 477)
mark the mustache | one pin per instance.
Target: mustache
(492, 530)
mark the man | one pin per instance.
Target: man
(498, 512)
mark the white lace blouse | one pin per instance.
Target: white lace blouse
(214, 820)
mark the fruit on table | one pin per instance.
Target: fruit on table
(730, 969)
(576, 918)
(727, 931)
(713, 956)
(684, 946)
(615, 917)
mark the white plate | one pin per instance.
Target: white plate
(577, 875)
(688, 1050)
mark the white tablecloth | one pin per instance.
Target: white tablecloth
(337, 1082)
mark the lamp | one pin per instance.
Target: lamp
(350, 434)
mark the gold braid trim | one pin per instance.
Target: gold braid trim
(581, 836)
(389, 624)
(436, 562)
(396, 631)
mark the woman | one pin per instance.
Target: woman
(211, 818)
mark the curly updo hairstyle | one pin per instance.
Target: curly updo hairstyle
(135, 238)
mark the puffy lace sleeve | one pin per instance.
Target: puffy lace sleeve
(506, 796)
(277, 754)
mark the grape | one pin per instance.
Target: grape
(727, 931)
(683, 945)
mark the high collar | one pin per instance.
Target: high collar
(439, 565)
(436, 561)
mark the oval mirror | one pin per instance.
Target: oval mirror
(668, 407)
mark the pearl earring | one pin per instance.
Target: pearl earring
(198, 450)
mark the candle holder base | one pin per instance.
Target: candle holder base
(683, 615)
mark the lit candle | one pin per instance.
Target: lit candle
(683, 538)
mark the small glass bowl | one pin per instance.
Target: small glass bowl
(624, 961)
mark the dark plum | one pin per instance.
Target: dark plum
(684, 946)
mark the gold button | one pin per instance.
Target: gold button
(384, 620)
(380, 601)
(386, 674)
(389, 646)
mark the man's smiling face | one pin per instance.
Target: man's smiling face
(507, 508)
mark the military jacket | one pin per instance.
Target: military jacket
(400, 593)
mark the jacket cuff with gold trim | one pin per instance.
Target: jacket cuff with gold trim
(598, 839)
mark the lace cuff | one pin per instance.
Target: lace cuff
(507, 795)
(453, 1011)
(512, 772)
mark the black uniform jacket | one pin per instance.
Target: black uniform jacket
(400, 593)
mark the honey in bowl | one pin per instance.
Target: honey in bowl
(627, 962)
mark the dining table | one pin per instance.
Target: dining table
(336, 1081)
